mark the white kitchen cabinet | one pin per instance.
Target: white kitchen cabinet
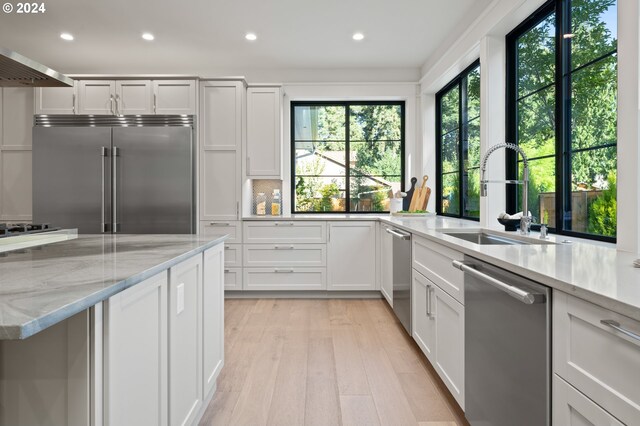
(265, 255)
(97, 97)
(438, 328)
(16, 124)
(351, 255)
(572, 408)
(264, 140)
(233, 279)
(56, 100)
(231, 228)
(284, 232)
(130, 97)
(135, 346)
(597, 359)
(213, 317)
(386, 264)
(423, 322)
(185, 341)
(233, 255)
(220, 131)
(174, 97)
(434, 261)
(133, 97)
(284, 278)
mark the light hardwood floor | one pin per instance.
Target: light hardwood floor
(324, 362)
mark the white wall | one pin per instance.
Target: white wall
(485, 39)
(408, 92)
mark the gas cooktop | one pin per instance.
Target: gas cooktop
(13, 229)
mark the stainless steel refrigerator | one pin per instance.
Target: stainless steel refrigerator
(130, 174)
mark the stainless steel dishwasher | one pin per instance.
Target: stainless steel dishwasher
(507, 347)
(401, 276)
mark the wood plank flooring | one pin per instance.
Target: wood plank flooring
(324, 362)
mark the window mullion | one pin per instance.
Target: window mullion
(463, 145)
(347, 153)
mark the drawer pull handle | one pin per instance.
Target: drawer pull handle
(616, 326)
(227, 248)
(219, 223)
(226, 271)
(284, 247)
(280, 271)
(283, 223)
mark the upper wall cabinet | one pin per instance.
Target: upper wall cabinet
(264, 141)
(118, 97)
(56, 100)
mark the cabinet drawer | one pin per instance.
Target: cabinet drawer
(284, 255)
(234, 229)
(233, 255)
(571, 408)
(284, 279)
(281, 231)
(233, 278)
(599, 361)
(433, 260)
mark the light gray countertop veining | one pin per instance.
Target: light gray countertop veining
(51, 283)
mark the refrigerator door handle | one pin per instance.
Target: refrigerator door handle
(103, 223)
(115, 154)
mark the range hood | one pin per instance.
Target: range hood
(19, 71)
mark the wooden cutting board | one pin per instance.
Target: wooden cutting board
(406, 201)
(419, 196)
(426, 200)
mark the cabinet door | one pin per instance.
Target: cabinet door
(135, 347)
(174, 97)
(220, 185)
(386, 266)
(213, 315)
(185, 341)
(263, 133)
(572, 408)
(55, 100)
(423, 321)
(220, 115)
(449, 344)
(96, 97)
(351, 258)
(233, 279)
(133, 97)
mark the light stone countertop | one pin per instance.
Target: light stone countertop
(591, 270)
(53, 282)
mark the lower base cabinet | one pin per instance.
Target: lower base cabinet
(135, 354)
(351, 255)
(213, 317)
(572, 408)
(438, 328)
(185, 341)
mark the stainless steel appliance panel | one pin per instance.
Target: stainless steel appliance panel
(507, 348)
(153, 180)
(402, 276)
(71, 176)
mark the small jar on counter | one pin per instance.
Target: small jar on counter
(261, 204)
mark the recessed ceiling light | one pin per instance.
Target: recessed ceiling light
(148, 36)
(66, 36)
(358, 36)
(251, 36)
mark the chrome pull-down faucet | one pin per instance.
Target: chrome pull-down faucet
(525, 221)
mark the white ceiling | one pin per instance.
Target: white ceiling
(202, 36)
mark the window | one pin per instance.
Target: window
(346, 156)
(458, 146)
(562, 110)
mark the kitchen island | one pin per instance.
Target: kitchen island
(103, 328)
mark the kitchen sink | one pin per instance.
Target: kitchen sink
(487, 237)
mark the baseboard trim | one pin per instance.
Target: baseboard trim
(303, 294)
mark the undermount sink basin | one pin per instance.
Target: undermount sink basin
(487, 237)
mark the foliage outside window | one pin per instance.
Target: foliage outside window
(346, 156)
(562, 110)
(458, 145)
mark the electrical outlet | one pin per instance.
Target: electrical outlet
(180, 298)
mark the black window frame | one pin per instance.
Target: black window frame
(346, 105)
(562, 86)
(460, 82)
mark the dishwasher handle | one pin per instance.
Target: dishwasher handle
(515, 292)
(398, 234)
